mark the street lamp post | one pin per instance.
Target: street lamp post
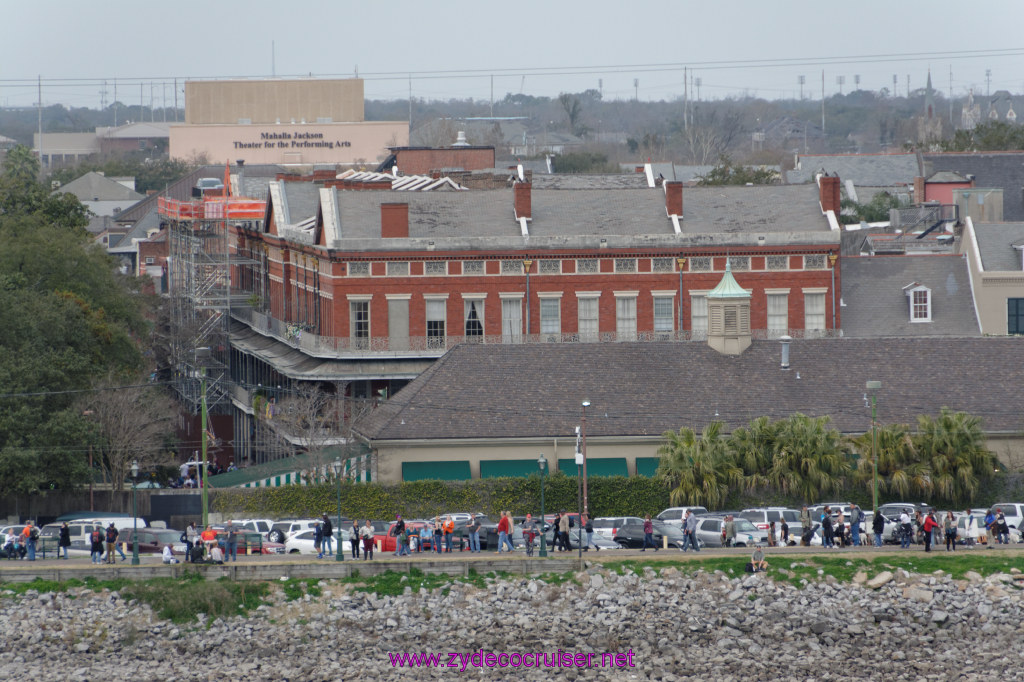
(579, 503)
(583, 428)
(682, 264)
(337, 474)
(542, 463)
(527, 265)
(135, 515)
(874, 386)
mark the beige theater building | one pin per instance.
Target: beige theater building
(282, 122)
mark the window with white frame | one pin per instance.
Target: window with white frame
(698, 312)
(625, 265)
(472, 267)
(150, 260)
(474, 317)
(587, 315)
(814, 311)
(664, 314)
(700, 264)
(778, 312)
(551, 316)
(625, 317)
(435, 267)
(662, 265)
(551, 267)
(814, 262)
(920, 298)
(435, 314)
(398, 268)
(359, 323)
(511, 320)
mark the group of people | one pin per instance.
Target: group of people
(22, 545)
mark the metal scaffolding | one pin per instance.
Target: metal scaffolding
(201, 292)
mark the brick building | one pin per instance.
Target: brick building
(359, 291)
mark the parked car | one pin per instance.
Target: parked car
(709, 532)
(1013, 511)
(258, 525)
(889, 528)
(302, 542)
(892, 510)
(631, 535)
(607, 526)
(280, 531)
(152, 541)
(574, 540)
(762, 518)
(674, 515)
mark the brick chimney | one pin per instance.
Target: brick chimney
(394, 221)
(674, 197)
(919, 190)
(522, 200)
(829, 188)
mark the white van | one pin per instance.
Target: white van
(1013, 511)
(673, 516)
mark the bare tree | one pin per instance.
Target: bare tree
(309, 419)
(706, 140)
(132, 423)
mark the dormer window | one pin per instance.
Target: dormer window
(920, 300)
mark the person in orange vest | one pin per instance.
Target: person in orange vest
(209, 538)
(449, 528)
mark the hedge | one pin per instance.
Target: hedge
(608, 496)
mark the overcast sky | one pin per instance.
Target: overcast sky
(538, 48)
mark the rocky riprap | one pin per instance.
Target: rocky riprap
(708, 626)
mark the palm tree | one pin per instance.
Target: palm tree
(754, 448)
(811, 460)
(698, 469)
(954, 447)
(901, 471)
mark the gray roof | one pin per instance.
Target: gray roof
(95, 186)
(1004, 170)
(995, 244)
(559, 214)
(645, 389)
(876, 304)
(590, 181)
(864, 169)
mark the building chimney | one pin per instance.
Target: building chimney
(919, 190)
(673, 197)
(522, 200)
(784, 340)
(829, 188)
(394, 221)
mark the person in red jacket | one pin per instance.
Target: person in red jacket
(929, 525)
(503, 527)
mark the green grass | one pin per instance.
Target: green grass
(295, 588)
(393, 583)
(804, 569)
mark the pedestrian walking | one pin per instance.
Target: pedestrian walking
(906, 529)
(564, 524)
(773, 538)
(65, 539)
(111, 543)
(949, 525)
(474, 533)
(318, 539)
(401, 537)
(449, 530)
(878, 527)
(366, 533)
(503, 528)
(328, 542)
(729, 528)
(649, 534)
(971, 530)
(588, 528)
(231, 538)
(928, 526)
(856, 518)
(438, 534)
(353, 539)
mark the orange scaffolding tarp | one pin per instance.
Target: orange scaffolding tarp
(217, 208)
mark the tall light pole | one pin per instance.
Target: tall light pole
(135, 515)
(873, 387)
(583, 452)
(337, 474)
(542, 463)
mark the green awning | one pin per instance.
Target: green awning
(493, 468)
(605, 466)
(453, 470)
(647, 466)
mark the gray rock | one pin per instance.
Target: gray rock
(879, 580)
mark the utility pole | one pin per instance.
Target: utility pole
(636, 89)
(874, 386)
(115, 105)
(823, 101)
(492, 97)
(801, 80)
(988, 82)
(685, 99)
(39, 107)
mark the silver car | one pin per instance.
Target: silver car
(709, 532)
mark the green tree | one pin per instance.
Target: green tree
(954, 447)
(699, 470)
(901, 471)
(23, 196)
(754, 448)
(727, 173)
(811, 460)
(988, 136)
(876, 210)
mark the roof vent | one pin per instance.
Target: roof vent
(460, 140)
(784, 340)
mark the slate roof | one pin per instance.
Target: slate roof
(991, 169)
(644, 389)
(560, 214)
(94, 186)
(876, 304)
(588, 181)
(995, 244)
(864, 169)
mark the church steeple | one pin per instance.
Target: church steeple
(929, 99)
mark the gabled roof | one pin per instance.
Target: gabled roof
(1003, 170)
(645, 389)
(875, 301)
(877, 170)
(996, 242)
(95, 186)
